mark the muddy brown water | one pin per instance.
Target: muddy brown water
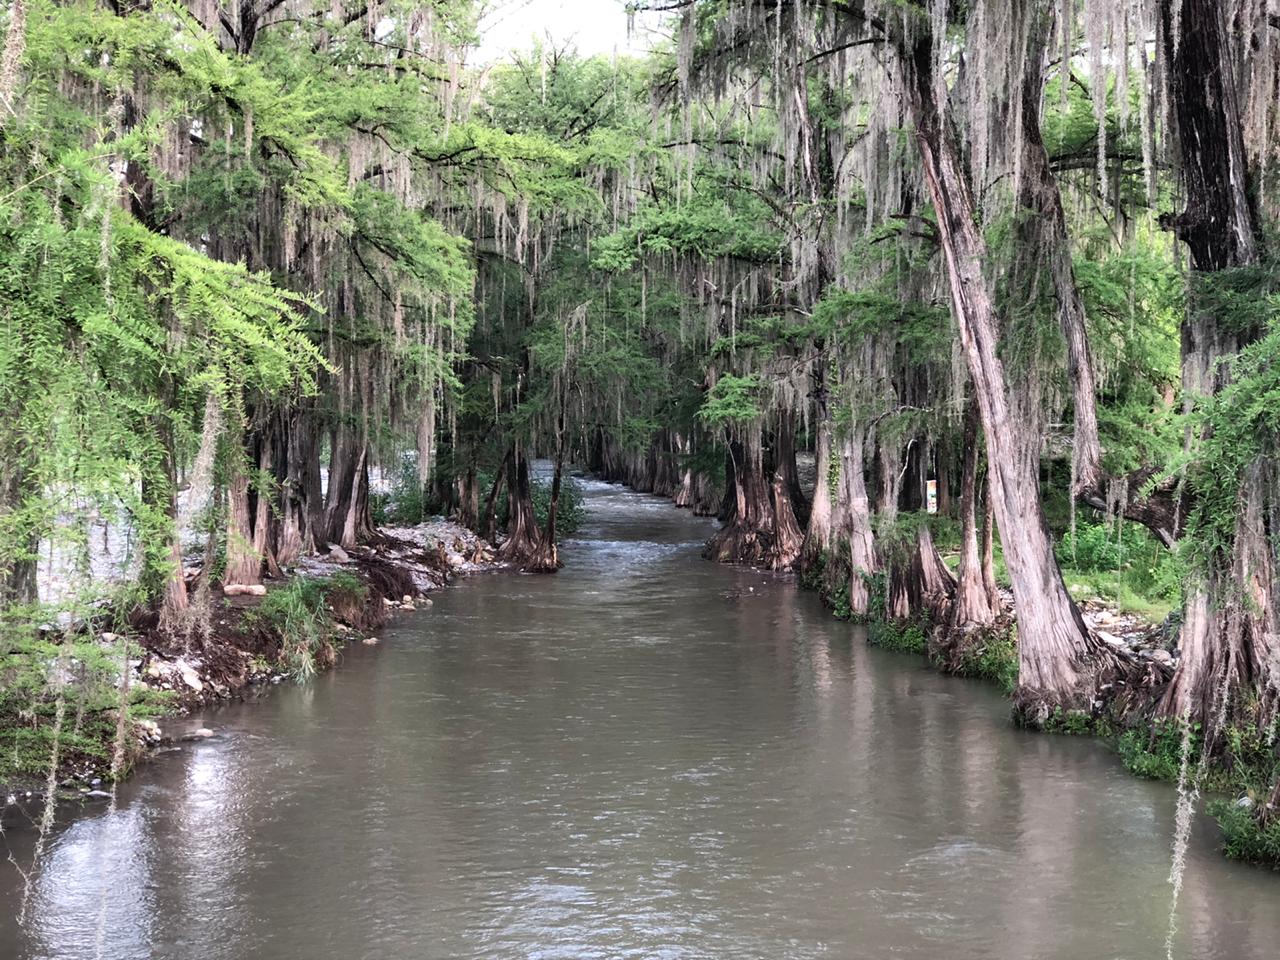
(646, 756)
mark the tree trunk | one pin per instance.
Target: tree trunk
(490, 526)
(244, 564)
(784, 464)
(748, 529)
(264, 517)
(683, 496)
(1228, 635)
(546, 558)
(975, 607)
(817, 539)
(523, 536)
(857, 517)
(18, 556)
(468, 513)
(1060, 663)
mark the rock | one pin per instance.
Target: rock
(95, 782)
(110, 637)
(154, 671)
(1162, 656)
(244, 590)
(338, 554)
(1245, 803)
(190, 677)
(370, 641)
(408, 606)
(204, 733)
(426, 602)
(388, 601)
(98, 795)
(406, 599)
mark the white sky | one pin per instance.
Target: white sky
(592, 26)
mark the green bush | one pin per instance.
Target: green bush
(1155, 753)
(1072, 723)
(1245, 837)
(298, 615)
(901, 636)
(572, 510)
(404, 502)
(32, 664)
(995, 658)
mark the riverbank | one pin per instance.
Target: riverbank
(288, 629)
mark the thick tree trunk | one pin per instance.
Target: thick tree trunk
(1060, 663)
(301, 500)
(976, 607)
(468, 512)
(1228, 635)
(746, 536)
(174, 599)
(244, 563)
(426, 444)
(546, 558)
(684, 493)
(972, 607)
(347, 520)
(18, 556)
(523, 536)
(856, 516)
(817, 539)
(705, 501)
(784, 464)
(264, 518)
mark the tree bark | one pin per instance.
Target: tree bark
(244, 563)
(817, 539)
(856, 515)
(1229, 632)
(748, 528)
(523, 536)
(975, 607)
(1060, 663)
(490, 527)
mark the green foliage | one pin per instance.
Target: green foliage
(297, 616)
(907, 636)
(1072, 723)
(570, 512)
(733, 401)
(994, 657)
(1155, 753)
(1245, 835)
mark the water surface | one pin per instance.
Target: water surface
(645, 756)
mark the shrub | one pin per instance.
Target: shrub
(994, 658)
(1245, 836)
(297, 614)
(1155, 753)
(902, 636)
(1072, 723)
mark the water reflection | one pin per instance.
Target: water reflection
(644, 756)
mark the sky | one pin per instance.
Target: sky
(592, 26)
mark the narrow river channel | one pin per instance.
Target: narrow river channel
(645, 756)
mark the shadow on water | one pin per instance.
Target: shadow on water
(646, 755)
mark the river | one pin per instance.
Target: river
(645, 756)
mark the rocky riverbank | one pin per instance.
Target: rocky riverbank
(253, 643)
